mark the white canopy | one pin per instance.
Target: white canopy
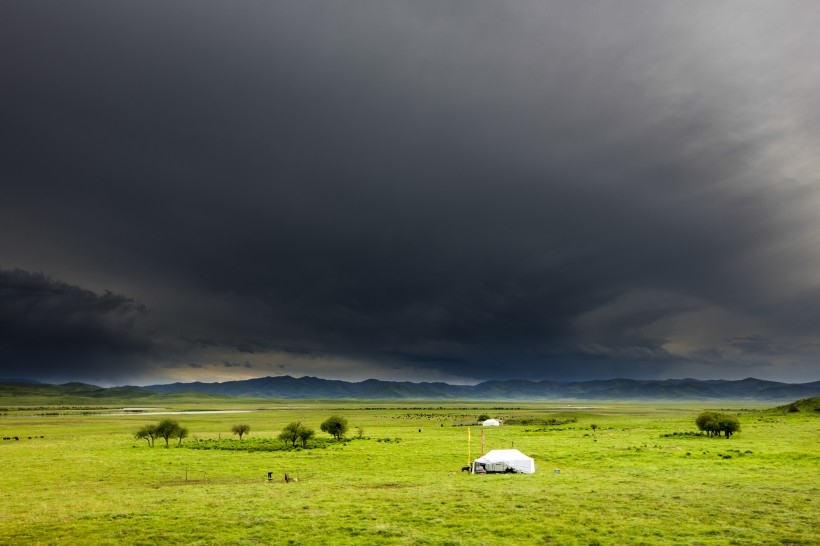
(491, 423)
(511, 458)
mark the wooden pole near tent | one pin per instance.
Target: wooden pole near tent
(482, 442)
(469, 452)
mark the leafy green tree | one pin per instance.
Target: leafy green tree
(335, 426)
(482, 417)
(180, 432)
(241, 430)
(305, 434)
(168, 428)
(147, 433)
(707, 422)
(594, 427)
(728, 425)
(291, 433)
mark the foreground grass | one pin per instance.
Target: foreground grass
(89, 482)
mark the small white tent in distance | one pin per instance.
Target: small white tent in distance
(504, 460)
(491, 423)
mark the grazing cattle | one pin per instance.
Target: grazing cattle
(16, 438)
(465, 468)
(6, 438)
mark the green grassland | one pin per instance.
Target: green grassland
(637, 479)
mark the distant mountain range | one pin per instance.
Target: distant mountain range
(10, 388)
(287, 387)
(313, 388)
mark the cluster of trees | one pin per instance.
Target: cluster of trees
(294, 432)
(714, 423)
(167, 429)
(297, 432)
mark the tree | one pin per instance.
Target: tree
(147, 433)
(483, 417)
(714, 423)
(241, 430)
(594, 427)
(180, 432)
(707, 421)
(728, 425)
(335, 426)
(167, 428)
(291, 433)
(305, 434)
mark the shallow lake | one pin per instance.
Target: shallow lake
(144, 411)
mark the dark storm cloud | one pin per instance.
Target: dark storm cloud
(245, 364)
(51, 329)
(759, 345)
(541, 189)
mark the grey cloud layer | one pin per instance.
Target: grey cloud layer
(51, 329)
(578, 189)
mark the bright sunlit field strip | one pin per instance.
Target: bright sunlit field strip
(630, 481)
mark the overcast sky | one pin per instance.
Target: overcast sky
(421, 190)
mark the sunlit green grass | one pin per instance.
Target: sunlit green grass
(88, 481)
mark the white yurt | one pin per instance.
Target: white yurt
(491, 423)
(504, 460)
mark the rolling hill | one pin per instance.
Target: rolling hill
(286, 387)
(313, 388)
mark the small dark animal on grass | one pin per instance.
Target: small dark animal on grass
(465, 468)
